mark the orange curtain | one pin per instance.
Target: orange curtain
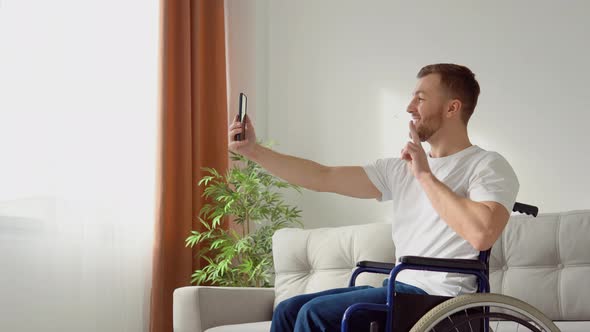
(193, 134)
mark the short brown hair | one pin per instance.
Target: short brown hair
(459, 81)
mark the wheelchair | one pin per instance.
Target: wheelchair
(471, 312)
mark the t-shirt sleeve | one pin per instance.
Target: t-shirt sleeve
(494, 180)
(380, 172)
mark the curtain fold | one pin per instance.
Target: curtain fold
(193, 134)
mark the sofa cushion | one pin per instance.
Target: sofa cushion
(309, 261)
(545, 261)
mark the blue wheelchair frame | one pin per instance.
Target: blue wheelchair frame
(477, 267)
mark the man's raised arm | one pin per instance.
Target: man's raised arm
(346, 180)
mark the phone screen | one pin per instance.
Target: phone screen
(243, 106)
(242, 109)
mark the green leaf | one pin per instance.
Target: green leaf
(206, 210)
(205, 224)
(217, 243)
(212, 171)
(193, 239)
(205, 180)
(217, 220)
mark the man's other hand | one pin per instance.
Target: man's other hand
(414, 155)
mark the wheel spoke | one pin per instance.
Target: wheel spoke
(468, 322)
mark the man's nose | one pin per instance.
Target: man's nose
(411, 106)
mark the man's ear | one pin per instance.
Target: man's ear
(454, 108)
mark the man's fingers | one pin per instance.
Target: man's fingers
(232, 135)
(409, 150)
(411, 146)
(235, 125)
(233, 132)
(413, 133)
(405, 155)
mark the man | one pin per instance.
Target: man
(450, 203)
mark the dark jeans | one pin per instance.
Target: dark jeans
(323, 311)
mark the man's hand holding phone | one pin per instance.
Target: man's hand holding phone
(246, 144)
(239, 141)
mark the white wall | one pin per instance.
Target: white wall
(340, 74)
(247, 52)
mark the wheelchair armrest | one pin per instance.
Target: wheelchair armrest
(376, 265)
(470, 264)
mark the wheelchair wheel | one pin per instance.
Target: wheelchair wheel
(466, 313)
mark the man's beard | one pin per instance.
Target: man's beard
(429, 126)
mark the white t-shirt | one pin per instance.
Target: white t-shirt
(418, 230)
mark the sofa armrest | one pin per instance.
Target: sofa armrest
(198, 308)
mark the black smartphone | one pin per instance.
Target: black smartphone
(242, 108)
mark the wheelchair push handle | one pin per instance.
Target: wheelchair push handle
(526, 209)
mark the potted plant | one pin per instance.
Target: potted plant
(246, 194)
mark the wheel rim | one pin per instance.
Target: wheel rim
(533, 319)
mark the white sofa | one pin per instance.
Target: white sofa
(544, 261)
